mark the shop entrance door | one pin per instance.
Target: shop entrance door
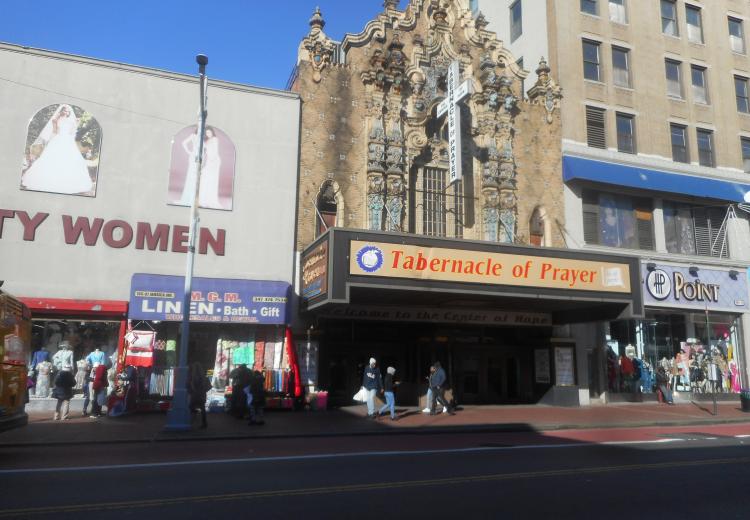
(490, 375)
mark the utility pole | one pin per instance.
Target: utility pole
(179, 416)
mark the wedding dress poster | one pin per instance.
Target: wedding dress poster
(217, 171)
(62, 151)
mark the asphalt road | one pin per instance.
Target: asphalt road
(633, 474)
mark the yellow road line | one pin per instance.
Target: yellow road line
(160, 502)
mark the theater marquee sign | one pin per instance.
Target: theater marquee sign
(461, 265)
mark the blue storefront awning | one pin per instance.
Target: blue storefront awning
(652, 180)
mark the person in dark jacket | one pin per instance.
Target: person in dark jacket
(662, 383)
(372, 382)
(241, 377)
(389, 385)
(437, 382)
(86, 387)
(64, 383)
(258, 398)
(198, 386)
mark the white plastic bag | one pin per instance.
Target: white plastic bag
(361, 396)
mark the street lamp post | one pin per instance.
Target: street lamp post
(178, 417)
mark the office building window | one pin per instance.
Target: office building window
(700, 86)
(595, 136)
(736, 35)
(617, 221)
(674, 79)
(591, 60)
(741, 93)
(589, 7)
(617, 12)
(745, 146)
(678, 135)
(621, 67)
(625, 133)
(516, 23)
(669, 18)
(691, 230)
(694, 24)
(705, 147)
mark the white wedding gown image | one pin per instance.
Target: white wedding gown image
(60, 168)
(208, 196)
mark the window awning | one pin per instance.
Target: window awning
(652, 180)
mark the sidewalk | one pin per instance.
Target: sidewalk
(350, 421)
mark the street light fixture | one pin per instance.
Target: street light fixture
(178, 417)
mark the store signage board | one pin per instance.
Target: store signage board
(542, 366)
(315, 271)
(218, 300)
(461, 265)
(564, 369)
(707, 289)
(438, 315)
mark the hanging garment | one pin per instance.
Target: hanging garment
(140, 348)
(269, 352)
(80, 373)
(38, 357)
(43, 374)
(260, 343)
(96, 357)
(278, 347)
(242, 355)
(221, 367)
(63, 359)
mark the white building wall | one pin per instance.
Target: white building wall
(533, 43)
(139, 111)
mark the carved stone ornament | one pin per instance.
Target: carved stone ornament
(545, 91)
(319, 47)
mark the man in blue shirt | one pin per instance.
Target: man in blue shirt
(437, 386)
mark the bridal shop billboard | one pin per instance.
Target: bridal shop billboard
(217, 169)
(63, 143)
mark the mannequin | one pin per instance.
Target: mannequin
(43, 373)
(97, 357)
(80, 373)
(63, 357)
(40, 355)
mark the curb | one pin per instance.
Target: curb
(417, 430)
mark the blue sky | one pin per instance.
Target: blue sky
(246, 41)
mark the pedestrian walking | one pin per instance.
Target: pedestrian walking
(389, 385)
(99, 390)
(372, 382)
(198, 386)
(257, 399)
(63, 392)
(662, 383)
(437, 386)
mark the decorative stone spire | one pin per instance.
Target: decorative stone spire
(317, 19)
(390, 4)
(545, 91)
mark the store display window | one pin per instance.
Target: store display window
(683, 345)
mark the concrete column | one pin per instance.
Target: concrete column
(573, 217)
(738, 238)
(660, 240)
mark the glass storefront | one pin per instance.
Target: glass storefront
(83, 336)
(684, 344)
